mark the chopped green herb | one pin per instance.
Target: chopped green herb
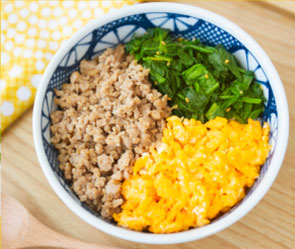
(202, 81)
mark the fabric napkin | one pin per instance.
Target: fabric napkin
(31, 32)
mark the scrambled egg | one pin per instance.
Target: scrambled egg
(199, 171)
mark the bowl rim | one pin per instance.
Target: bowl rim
(196, 233)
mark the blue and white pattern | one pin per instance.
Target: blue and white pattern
(121, 31)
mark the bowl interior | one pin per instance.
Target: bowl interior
(121, 31)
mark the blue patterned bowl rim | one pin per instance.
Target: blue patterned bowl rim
(224, 221)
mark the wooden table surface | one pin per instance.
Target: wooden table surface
(271, 224)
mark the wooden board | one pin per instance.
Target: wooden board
(269, 225)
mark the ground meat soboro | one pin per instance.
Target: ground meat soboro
(108, 115)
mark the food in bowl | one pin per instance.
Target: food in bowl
(198, 172)
(110, 114)
(186, 21)
(203, 81)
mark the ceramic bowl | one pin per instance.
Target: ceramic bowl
(188, 22)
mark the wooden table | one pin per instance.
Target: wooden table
(271, 224)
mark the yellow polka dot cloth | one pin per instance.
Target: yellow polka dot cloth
(31, 32)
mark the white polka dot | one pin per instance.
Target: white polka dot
(15, 71)
(24, 12)
(33, 19)
(44, 34)
(19, 38)
(53, 45)
(23, 93)
(8, 45)
(41, 43)
(7, 108)
(52, 24)
(2, 85)
(3, 24)
(112, 10)
(21, 26)
(53, 3)
(2, 38)
(67, 4)
(56, 35)
(77, 24)
(93, 4)
(63, 42)
(38, 54)
(39, 65)
(27, 53)
(35, 80)
(98, 12)
(57, 11)
(30, 42)
(19, 3)
(48, 56)
(32, 32)
(86, 14)
(46, 11)
(67, 31)
(33, 6)
(106, 3)
(8, 8)
(11, 32)
(42, 24)
(12, 18)
(17, 51)
(72, 13)
(82, 5)
(63, 21)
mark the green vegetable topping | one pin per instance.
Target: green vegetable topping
(202, 81)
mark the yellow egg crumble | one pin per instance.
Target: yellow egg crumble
(199, 171)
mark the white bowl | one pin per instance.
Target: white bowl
(186, 21)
